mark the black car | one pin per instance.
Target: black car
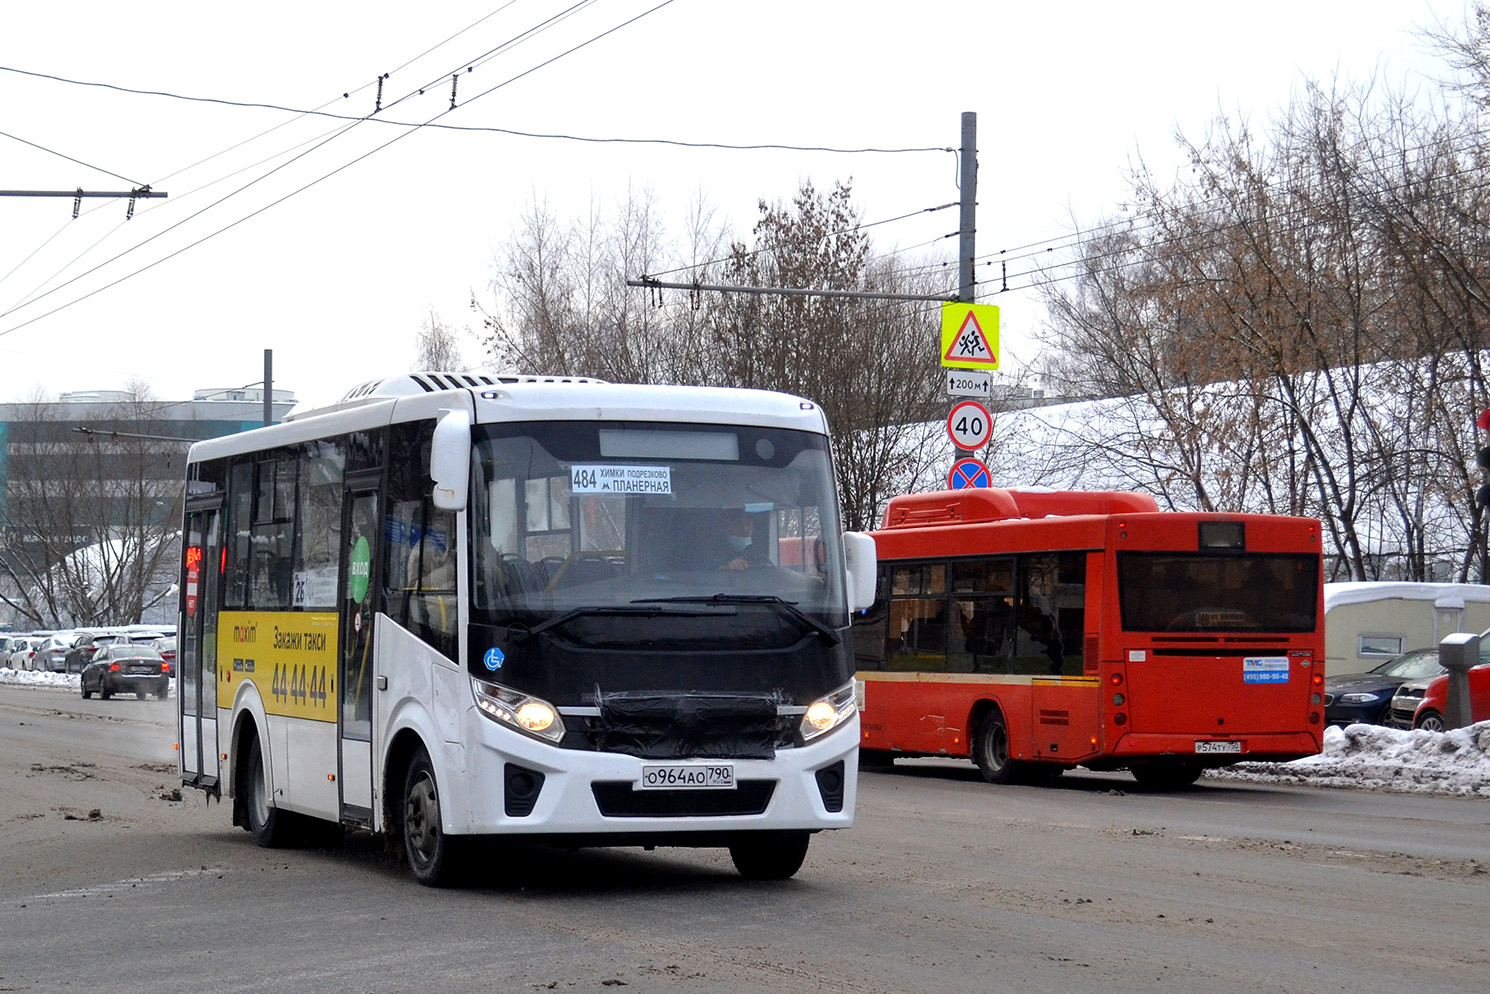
(125, 668)
(1366, 698)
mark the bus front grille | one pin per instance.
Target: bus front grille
(618, 799)
(683, 726)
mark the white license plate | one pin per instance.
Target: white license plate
(682, 776)
(1204, 747)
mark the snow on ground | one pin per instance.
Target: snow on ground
(1372, 757)
(1366, 757)
(38, 678)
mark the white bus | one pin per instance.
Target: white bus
(456, 605)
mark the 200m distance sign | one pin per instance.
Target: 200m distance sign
(969, 425)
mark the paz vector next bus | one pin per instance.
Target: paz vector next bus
(455, 606)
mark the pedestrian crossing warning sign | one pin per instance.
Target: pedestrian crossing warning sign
(970, 336)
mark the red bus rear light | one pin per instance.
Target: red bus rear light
(1116, 679)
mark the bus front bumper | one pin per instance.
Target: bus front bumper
(520, 785)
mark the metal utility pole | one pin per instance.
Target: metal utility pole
(268, 387)
(968, 228)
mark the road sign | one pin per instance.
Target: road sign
(970, 336)
(969, 425)
(969, 383)
(968, 473)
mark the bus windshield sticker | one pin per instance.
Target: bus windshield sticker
(1265, 669)
(621, 480)
(494, 659)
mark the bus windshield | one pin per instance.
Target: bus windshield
(1212, 592)
(569, 516)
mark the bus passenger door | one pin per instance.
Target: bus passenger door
(196, 656)
(360, 531)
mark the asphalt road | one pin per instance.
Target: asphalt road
(945, 884)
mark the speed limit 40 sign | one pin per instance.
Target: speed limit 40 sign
(969, 425)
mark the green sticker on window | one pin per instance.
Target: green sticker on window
(361, 570)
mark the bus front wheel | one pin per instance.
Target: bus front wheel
(991, 749)
(270, 827)
(432, 854)
(769, 855)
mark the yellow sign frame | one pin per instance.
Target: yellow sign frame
(968, 332)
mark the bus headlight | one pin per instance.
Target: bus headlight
(827, 713)
(523, 712)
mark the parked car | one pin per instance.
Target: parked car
(86, 647)
(123, 667)
(1434, 705)
(1405, 701)
(1367, 697)
(167, 648)
(52, 656)
(22, 657)
(1409, 697)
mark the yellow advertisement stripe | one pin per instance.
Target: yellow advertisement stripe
(290, 656)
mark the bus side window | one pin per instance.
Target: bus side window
(419, 544)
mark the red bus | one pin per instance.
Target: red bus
(1035, 630)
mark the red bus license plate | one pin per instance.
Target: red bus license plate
(1209, 747)
(676, 776)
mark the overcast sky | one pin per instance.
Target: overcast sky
(338, 277)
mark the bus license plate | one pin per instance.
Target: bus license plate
(1206, 747)
(681, 776)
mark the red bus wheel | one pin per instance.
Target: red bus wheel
(991, 749)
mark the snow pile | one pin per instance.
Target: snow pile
(1378, 758)
(52, 681)
(40, 678)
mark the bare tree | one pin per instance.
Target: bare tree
(438, 346)
(562, 306)
(90, 518)
(1302, 316)
(871, 364)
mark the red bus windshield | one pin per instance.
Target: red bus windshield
(1211, 592)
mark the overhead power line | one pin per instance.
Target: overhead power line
(319, 179)
(80, 162)
(555, 136)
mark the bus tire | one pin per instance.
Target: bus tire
(433, 856)
(991, 748)
(769, 855)
(1172, 774)
(270, 827)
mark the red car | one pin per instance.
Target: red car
(1430, 713)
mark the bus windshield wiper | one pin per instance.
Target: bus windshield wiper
(787, 607)
(521, 633)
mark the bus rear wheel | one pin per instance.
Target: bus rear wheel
(433, 855)
(1167, 774)
(769, 855)
(991, 749)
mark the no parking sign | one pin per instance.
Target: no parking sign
(968, 473)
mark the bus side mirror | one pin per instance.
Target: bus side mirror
(450, 460)
(862, 566)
